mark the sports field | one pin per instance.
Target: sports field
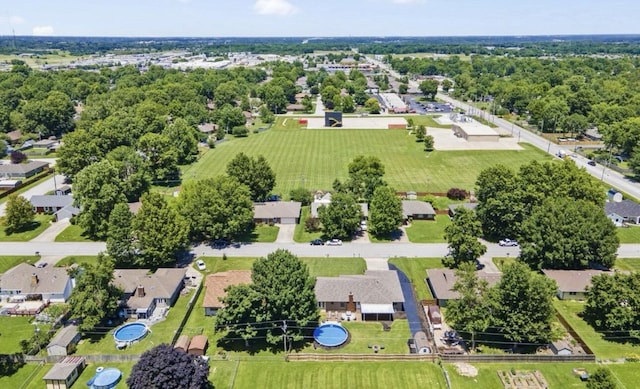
(315, 158)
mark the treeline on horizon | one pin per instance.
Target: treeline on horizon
(526, 46)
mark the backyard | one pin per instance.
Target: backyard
(315, 158)
(12, 331)
(416, 270)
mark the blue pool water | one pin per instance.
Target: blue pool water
(130, 332)
(330, 335)
(105, 379)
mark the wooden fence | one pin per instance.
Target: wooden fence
(517, 358)
(573, 333)
(362, 357)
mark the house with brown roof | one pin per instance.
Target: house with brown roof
(215, 288)
(278, 212)
(64, 373)
(26, 282)
(417, 210)
(145, 291)
(376, 295)
(573, 284)
(64, 341)
(441, 281)
(182, 343)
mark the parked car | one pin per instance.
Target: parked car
(317, 242)
(200, 264)
(334, 242)
(508, 242)
(591, 163)
(41, 265)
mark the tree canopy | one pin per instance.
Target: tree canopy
(365, 175)
(341, 218)
(385, 211)
(462, 235)
(255, 173)
(613, 303)
(18, 214)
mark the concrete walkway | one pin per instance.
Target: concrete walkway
(49, 235)
(376, 263)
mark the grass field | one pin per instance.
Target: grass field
(7, 262)
(428, 231)
(315, 158)
(427, 121)
(415, 269)
(631, 264)
(73, 233)
(603, 348)
(76, 259)
(629, 234)
(40, 223)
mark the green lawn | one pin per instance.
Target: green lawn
(631, 264)
(315, 158)
(370, 375)
(300, 235)
(7, 262)
(30, 373)
(603, 349)
(501, 262)
(415, 269)
(262, 233)
(76, 259)
(40, 223)
(73, 233)
(427, 121)
(12, 331)
(428, 231)
(629, 234)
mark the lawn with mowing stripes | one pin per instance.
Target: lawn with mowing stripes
(371, 375)
(416, 270)
(315, 158)
(7, 261)
(630, 264)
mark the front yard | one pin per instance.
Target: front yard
(629, 234)
(7, 262)
(40, 223)
(416, 270)
(428, 231)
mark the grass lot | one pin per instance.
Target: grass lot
(262, 233)
(629, 234)
(500, 262)
(631, 264)
(371, 375)
(76, 259)
(428, 231)
(7, 262)
(73, 233)
(300, 235)
(427, 121)
(40, 223)
(30, 373)
(101, 342)
(601, 347)
(318, 267)
(557, 375)
(12, 331)
(315, 158)
(415, 269)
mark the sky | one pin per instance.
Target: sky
(316, 18)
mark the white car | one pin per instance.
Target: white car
(200, 264)
(508, 242)
(334, 242)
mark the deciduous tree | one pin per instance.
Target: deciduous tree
(169, 368)
(256, 174)
(429, 88)
(134, 173)
(462, 235)
(120, 236)
(601, 379)
(385, 211)
(160, 156)
(19, 214)
(365, 175)
(613, 304)
(341, 218)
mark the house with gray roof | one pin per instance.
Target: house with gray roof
(64, 340)
(324, 199)
(376, 295)
(64, 373)
(417, 210)
(279, 212)
(573, 284)
(620, 212)
(27, 282)
(22, 170)
(441, 281)
(50, 203)
(145, 291)
(454, 207)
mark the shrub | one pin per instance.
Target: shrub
(456, 194)
(302, 195)
(240, 131)
(312, 224)
(17, 157)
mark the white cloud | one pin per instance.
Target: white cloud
(274, 7)
(42, 30)
(13, 20)
(407, 1)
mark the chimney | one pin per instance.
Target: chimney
(34, 279)
(140, 291)
(351, 305)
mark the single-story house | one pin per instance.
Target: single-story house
(22, 170)
(14, 136)
(572, 284)
(208, 128)
(453, 207)
(45, 143)
(216, 284)
(64, 373)
(182, 343)
(283, 212)
(63, 341)
(625, 211)
(561, 347)
(376, 295)
(145, 291)
(593, 134)
(27, 282)
(67, 212)
(441, 281)
(417, 210)
(198, 345)
(295, 107)
(50, 203)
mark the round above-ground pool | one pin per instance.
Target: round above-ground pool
(330, 335)
(130, 333)
(105, 378)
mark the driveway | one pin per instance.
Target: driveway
(55, 228)
(285, 234)
(45, 186)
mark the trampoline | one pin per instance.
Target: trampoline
(105, 378)
(130, 333)
(330, 335)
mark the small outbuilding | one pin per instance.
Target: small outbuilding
(435, 316)
(62, 343)
(182, 343)
(198, 345)
(64, 373)
(562, 348)
(422, 343)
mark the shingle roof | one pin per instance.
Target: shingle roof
(64, 368)
(50, 280)
(625, 208)
(160, 284)
(64, 337)
(277, 209)
(374, 287)
(22, 168)
(573, 280)
(216, 284)
(416, 207)
(51, 200)
(442, 281)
